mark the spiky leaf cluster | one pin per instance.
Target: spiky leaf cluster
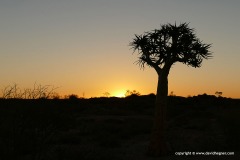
(170, 44)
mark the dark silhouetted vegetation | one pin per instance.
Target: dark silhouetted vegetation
(160, 49)
(114, 128)
(37, 92)
(132, 93)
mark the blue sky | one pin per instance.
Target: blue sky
(82, 46)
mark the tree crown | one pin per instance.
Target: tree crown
(171, 43)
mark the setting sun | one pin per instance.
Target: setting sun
(120, 93)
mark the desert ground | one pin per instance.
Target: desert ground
(116, 128)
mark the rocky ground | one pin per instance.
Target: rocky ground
(116, 130)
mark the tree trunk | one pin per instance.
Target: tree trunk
(158, 145)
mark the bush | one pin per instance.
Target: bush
(38, 92)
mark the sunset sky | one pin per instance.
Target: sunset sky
(82, 46)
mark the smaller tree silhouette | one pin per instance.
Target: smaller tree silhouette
(218, 94)
(132, 93)
(106, 94)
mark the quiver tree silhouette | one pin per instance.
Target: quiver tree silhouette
(160, 49)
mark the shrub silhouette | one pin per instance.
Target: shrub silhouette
(132, 93)
(72, 97)
(37, 92)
